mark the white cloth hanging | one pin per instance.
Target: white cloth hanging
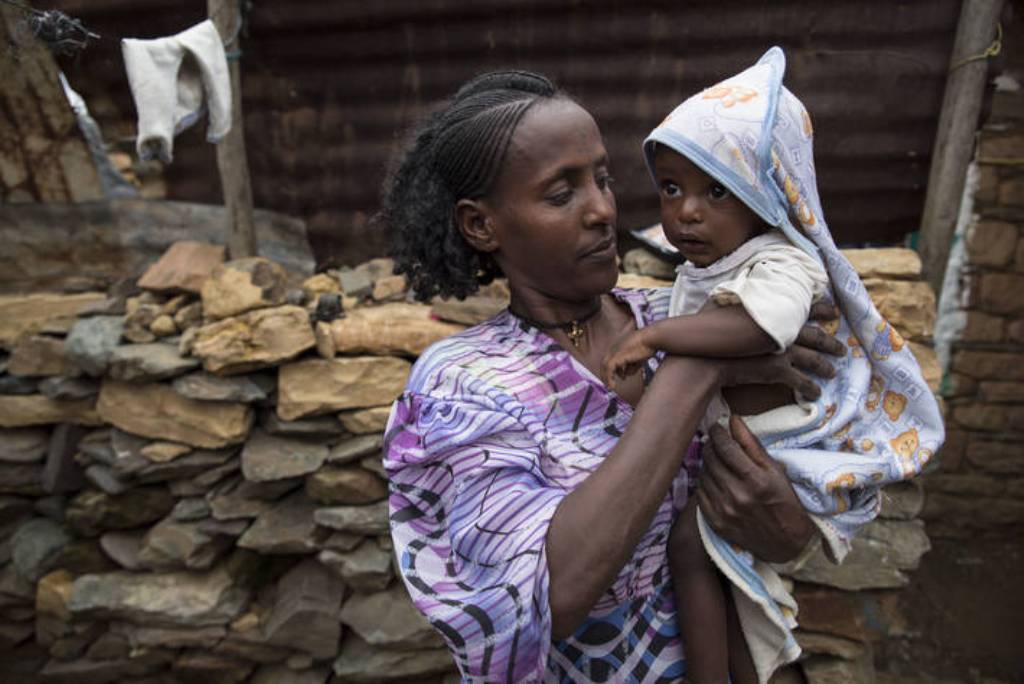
(168, 79)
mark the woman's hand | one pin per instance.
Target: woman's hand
(746, 497)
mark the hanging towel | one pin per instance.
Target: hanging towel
(877, 421)
(168, 79)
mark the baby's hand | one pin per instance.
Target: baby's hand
(626, 357)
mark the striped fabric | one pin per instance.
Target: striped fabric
(496, 425)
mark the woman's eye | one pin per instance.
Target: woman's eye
(718, 191)
(604, 182)
(560, 198)
(669, 189)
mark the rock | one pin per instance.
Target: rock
(91, 341)
(164, 452)
(189, 316)
(92, 512)
(242, 285)
(828, 644)
(365, 421)
(186, 599)
(35, 546)
(361, 663)
(909, 306)
(365, 520)
(123, 548)
(645, 263)
(23, 445)
(205, 386)
(353, 485)
(880, 555)
(190, 510)
(355, 448)
(342, 542)
(39, 355)
(36, 409)
(211, 667)
(831, 670)
(69, 389)
(109, 646)
(62, 473)
(315, 426)
(328, 308)
(306, 609)
(163, 326)
(266, 457)
(20, 314)
(214, 475)
(319, 284)
(157, 411)
(148, 362)
(389, 287)
(368, 568)
(280, 674)
(224, 528)
(18, 384)
(286, 528)
(632, 280)
(113, 305)
(257, 339)
(198, 463)
(228, 503)
(489, 301)
(103, 477)
(397, 328)
(184, 266)
(267, 491)
(53, 617)
(321, 386)
(902, 500)
(21, 478)
(889, 262)
(144, 637)
(355, 283)
(928, 360)
(375, 464)
(389, 619)
(172, 544)
(102, 671)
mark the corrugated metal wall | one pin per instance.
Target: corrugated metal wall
(329, 84)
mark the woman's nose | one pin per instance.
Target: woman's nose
(600, 206)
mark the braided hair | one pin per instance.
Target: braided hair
(456, 153)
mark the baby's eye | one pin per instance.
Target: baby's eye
(718, 191)
(669, 189)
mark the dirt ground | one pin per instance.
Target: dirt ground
(965, 608)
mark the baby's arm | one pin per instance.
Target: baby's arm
(718, 331)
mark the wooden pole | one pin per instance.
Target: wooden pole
(231, 158)
(954, 140)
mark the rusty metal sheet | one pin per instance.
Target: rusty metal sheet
(329, 86)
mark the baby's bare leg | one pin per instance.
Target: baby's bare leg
(741, 665)
(701, 603)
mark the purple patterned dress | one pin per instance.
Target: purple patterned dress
(496, 425)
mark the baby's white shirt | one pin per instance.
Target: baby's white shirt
(775, 281)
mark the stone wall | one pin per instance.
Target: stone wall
(191, 486)
(979, 490)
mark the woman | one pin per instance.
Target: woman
(531, 506)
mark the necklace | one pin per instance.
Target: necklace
(572, 328)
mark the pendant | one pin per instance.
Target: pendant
(575, 333)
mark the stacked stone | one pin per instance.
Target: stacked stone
(189, 490)
(979, 492)
(191, 483)
(845, 609)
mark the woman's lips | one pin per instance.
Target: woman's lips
(604, 248)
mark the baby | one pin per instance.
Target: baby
(735, 175)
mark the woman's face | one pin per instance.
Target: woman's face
(552, 210)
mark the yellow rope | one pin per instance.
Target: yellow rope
(991, 51)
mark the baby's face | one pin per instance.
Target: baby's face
(701, 219)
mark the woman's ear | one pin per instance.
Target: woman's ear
(476, 225)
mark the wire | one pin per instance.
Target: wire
(994, 48)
